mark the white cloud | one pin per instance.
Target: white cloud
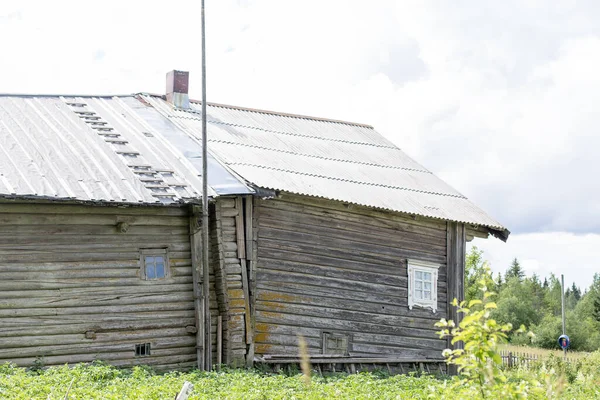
(498, 98)
(575, 256)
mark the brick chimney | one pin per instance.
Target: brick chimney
(177, 88)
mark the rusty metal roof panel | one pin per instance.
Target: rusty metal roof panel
(100, 149)
(329, 159)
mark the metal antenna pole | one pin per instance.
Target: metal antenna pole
(205, 269)
(562, 295)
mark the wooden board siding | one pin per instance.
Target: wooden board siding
(65, 270)
(322, 266)
(456, 242)
(227, 258)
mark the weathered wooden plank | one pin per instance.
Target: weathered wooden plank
(96, 292)
(74, 209)
(21, 284)
(348, 252)
(116, 319)
(374, 298)
(27, 329)
(86, 301)
(286, 340)
(32, 233)
(134, 336)
(291, 251)
(32, 241)
(230, 212)
(346, 315)
(379, 360)
(28, 257)
(359, 232)
(242, 253)
(406, 330)
(92, 347)
(121, 357)
(299, 237)
(375, 350)
(353, 213)
(428, 342)
(249, 228)
(66, 250)
(398, 268)
(266, 348)
(90, 219)
(227, 202)
(79, 265)
(332, 272)
(86, 273)
(280, 299)
(239, 226)
(265, 275)
(59, 311)
(219, 223)
(288, 330)
(456, 239)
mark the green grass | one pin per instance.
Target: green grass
(105, 382)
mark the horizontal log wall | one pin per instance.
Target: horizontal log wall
(323, 266)
(66, 270)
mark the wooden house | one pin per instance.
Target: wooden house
(318, 228)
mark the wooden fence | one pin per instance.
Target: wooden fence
(512, 359)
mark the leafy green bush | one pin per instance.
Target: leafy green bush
(478, 357)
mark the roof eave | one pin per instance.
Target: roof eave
(501, 234)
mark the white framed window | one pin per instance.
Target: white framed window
(422, 284)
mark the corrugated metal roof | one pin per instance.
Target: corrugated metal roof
(138, 149)
(329, 159)
(101, 149)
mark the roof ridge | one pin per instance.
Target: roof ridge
(271, 112)
(59, 95)
(220, 105)
(288, 115)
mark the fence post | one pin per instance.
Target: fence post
(510, 359)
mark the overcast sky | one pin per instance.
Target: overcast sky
(499, 98)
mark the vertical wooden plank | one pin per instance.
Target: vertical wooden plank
(239, 225)
(219, 341)
(455, 262)
(219, 262)
(249, 226)
(196, 249)
(461, 244)
(450, 272)
(249, 334)
(250, 254)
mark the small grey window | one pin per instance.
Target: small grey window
(142, 350)
(336, 343)
(154, 264)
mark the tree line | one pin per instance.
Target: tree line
(535, 303)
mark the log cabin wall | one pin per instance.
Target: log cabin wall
(71, 290)
(229, 259)
(324, 270)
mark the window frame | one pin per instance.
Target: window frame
(154, 253)
(415, 266)
(338, 337)
(142, 350)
